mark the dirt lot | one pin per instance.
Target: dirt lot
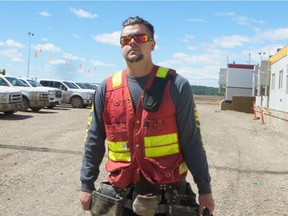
(40, 158)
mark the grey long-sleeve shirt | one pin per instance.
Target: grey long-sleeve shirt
(190, 137)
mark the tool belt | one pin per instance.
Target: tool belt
(171, 199)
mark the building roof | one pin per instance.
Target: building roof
(242, 66)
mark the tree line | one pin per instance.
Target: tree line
(205, 90)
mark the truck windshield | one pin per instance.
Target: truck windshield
(34, 83)
(16, 82)
(3, 82)
(82, 86)
(71, 85)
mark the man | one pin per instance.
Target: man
(147, 116)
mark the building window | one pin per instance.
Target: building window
(280, 79)
(287, 80)
(287, 84)
(273, 81)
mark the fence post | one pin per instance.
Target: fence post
(262, 116)
(255, 111)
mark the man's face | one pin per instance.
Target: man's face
(134, 52)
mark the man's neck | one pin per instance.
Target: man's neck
(139, 69)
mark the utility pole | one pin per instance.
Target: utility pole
(30, 35)
(261, 55)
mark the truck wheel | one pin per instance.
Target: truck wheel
(25, 104)
(35, 109)
(9, 112)
(77, 102)
(50, 106)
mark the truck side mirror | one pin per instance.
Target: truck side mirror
(63, 88)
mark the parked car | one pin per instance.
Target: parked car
(10, 98)
(32, 98)
(54, 94)
(78, 98)
(82, 86)
(89, 86)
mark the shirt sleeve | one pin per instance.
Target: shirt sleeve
(189, 132)
(94, 143)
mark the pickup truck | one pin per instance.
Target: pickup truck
(32, 98)
(78, 98)
(54, 94)
(10, 99)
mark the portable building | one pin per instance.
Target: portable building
(261, 81)
(278, 97)
(239, 80)
(222, 80)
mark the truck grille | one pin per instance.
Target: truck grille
(58, 94)
(15, 98)
(44, 96)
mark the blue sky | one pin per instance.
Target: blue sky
(79, 40)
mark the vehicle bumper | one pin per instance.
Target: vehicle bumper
(41, 104)
(87, 102)
(10, 107)
(54, 103)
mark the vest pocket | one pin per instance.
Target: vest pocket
(118, 148)
(106, 204)
(183, 204)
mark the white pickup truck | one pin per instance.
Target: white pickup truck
(54, 94)
(78, 98)
(32, 98)
(10, 99)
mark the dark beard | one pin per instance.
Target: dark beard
(135, 58)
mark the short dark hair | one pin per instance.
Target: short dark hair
(139, 20)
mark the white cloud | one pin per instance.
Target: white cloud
(201, 67)
(99, 63)
(12, 54)
(229, 13)
(58, 62)
(108, 38)
(47, 47)
(44, 13)
(195, 20)
(231, 41)
(243, 20)
(12, 43)
(274, 34)
(197, 74)
(83, 14)
(188, 38)
(76, 36)
(72, 57)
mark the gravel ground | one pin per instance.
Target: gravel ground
(40, 159)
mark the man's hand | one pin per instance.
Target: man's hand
(85, 199)
(206, 201)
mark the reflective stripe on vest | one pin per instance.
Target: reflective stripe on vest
(164, 145)
(118, 151)
(183, 168)
(117, 77)
(162, 72)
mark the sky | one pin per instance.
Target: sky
(79, 40)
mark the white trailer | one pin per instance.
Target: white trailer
(239, 81)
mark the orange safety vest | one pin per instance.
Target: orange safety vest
(146, 142)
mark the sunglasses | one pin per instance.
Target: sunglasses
(138, 38)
